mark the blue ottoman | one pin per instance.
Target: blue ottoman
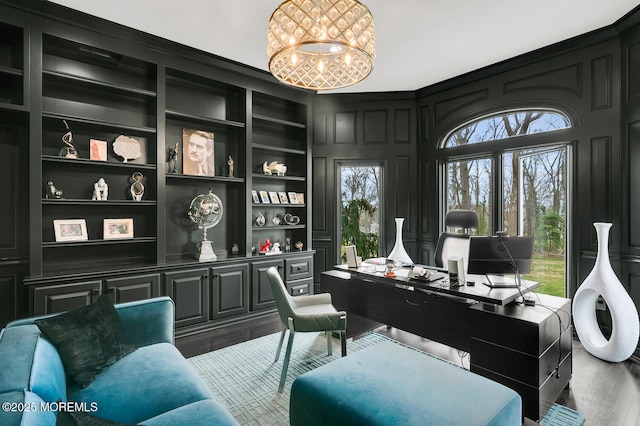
(388, 384)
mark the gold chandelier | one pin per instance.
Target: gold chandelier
(321, 44)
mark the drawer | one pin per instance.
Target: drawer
(297, 268)
(299, 287)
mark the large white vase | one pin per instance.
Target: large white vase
(602, 281)
(399, 254)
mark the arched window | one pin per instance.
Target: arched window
(512, 170)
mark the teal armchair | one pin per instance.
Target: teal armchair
(310, 313)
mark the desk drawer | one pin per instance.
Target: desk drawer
(299, 287)
(298, 267)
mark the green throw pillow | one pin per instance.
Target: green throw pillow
(88, 339)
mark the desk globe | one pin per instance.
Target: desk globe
(205, 211)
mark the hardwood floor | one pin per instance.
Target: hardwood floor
(606, 394)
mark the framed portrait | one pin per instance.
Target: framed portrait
(273, 196)
(293, 198)
(264, 197)
(70, 229)
(283, 197)
(117, 228)
(97, 150)
(254, 195)
(300, 197)
(197, 153)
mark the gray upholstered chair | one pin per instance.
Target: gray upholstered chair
(307, 313)
(454, 243)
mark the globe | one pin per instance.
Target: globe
(205, 211)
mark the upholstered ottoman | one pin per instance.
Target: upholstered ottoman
(388, 384)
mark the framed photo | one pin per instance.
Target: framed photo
(293, 198)
(264, 197)
(254, 194)
(117, 228)
(283, 197)
(197, 153)
(273, 195)
(98, 150)
(70, 229)
(300, 197)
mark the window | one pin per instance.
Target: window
(360, 200)
(518, 185)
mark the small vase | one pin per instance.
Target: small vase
(602, 281)
(399, 254)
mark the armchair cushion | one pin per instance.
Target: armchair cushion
(88, 339)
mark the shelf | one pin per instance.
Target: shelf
(54, 244)
(271, 228)
(99, 84)
(278, 149)
(273, 177)
(179, 176)
(78, 202)
(279, 121)
(201, 119)
(105, 124)
(94, 163)
(287, 205)
(11, 71)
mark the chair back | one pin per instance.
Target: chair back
(281, 296)
(452, 243)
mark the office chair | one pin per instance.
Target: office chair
(452, 243)
(306, 313)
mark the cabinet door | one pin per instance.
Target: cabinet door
(13, 294)
(64, 297)
(261, 295)
(298, 267)
(190, 293)
(229, 290)
(137, 287)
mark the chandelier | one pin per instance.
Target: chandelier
(321, 44)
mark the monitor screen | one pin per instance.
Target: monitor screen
(499, 255)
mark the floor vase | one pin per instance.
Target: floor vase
(398, 253)
(625, 326)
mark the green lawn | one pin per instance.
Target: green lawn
(549, 272)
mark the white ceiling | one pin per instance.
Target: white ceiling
(418, 42)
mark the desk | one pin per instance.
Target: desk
(518, 346)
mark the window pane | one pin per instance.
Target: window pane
(469, 187)
(506, 125)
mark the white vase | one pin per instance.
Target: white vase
(602, 281)
(399, 254)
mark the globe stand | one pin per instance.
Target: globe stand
(205, 249)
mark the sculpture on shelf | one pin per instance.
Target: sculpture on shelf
(260, 219)
(100, 190)
(275, 219)
(275, 248)
(230, 162)
(173, 158)
(52, 192)
(602, 281)
(265, 247)
(68, 151)
(126, 147)
(299, 245)
(290, 219)
(274, 168)
(235, 250)
(206, 211)
(287, 245)
(137, 188)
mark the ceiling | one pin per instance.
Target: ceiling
(418, 42)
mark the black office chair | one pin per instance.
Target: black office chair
(453, 243)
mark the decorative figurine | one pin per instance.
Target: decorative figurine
(235, 250)
(290, 219)
(287, 245)
(275, 248)
(68, 151)
(299, 245)
(260, 219)
(127, 147)
(275, 219)
(274, 168)
(230, 162)
(100, 190)
(137, 188)
(52, 192)
(173, 158)
(264, 248)
(390, 272)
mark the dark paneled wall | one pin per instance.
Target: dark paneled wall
(378, 128)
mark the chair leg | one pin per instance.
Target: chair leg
(343, 342)
(285, 366)
(280, 344)
(329, 335)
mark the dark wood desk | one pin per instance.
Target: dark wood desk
(516, 345)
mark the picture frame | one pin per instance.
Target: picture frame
(97, 150)
(70, 230)
(197, 153)
(300, 197)
(293, 198)
(283, 197)
(254, 195)
(273, 196)
(264, 197)
(117, 228)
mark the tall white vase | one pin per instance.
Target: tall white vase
(399, 254)
(602, 281)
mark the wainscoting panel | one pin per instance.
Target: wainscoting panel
(634, 183)
(601, 84)
(402, 128)
(452, 105)
(345, 131)
(319, 129)
(375, 127)
(600, 183)
(633, 63)
(320, 174)
(568, 79)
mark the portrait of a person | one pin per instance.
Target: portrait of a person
(197, 153)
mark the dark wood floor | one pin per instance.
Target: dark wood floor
(607, 394)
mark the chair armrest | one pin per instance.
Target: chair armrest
(148, 321)
(329, 321)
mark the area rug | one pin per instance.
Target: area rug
(244, 377)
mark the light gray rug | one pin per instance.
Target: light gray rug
(245, 379)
